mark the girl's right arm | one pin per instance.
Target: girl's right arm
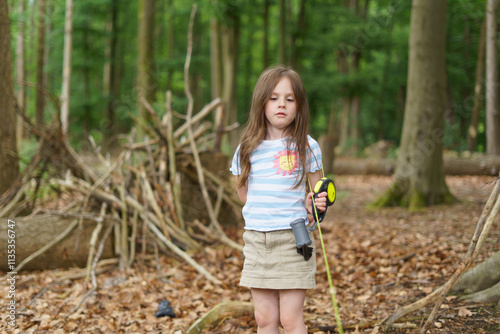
(242, 192)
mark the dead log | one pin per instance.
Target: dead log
(480, 165)
(476, 165)
(33, 233)
(229, 309)
(360, 166)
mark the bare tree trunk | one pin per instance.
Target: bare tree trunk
(296, 52)
(87, 111)
(449, 110)
(9, 168)
(40, 98)
(383, 83)
(197, 78)
(419, 175)
(48, 78)
(329, 141)
(146, 85)
(20, 72)
(171, 44)
(216, 74)
(354, 112)
(492, 119)
(478, 91)
(343, 127)
(66, 82)
(110, 82)
(465, 92)
(265, 50)
(229, 43)
(282, 38)
(215, 58)
(354, 132)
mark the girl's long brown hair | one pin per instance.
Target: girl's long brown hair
(256, 129)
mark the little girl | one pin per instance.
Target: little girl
(275, 163)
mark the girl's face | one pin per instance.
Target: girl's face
(280, 109)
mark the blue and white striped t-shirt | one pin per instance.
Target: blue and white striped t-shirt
(272, 202)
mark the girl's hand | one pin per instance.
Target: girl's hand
(320, 202)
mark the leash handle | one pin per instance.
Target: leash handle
(323, 185)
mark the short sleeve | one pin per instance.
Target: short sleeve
(314, 157)
(235, 164)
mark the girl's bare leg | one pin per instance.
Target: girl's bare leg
(267, 310)
(291, 307)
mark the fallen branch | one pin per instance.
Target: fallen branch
(6, 210)
(81, 164)
(229, 309)
(199, 116)
(93, 270)
(175, 183)
(93, 239)
(102, 266)
(231, 199)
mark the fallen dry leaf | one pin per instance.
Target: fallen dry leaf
(464, 312)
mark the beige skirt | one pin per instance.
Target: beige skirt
(272, 261)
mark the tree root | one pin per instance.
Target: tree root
(490, 295)
(481, 277)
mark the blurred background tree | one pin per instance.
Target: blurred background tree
(9, 168)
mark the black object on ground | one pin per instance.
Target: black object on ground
(164, 309)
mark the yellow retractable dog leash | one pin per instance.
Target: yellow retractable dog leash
(325, 184)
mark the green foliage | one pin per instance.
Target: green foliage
(381, 38)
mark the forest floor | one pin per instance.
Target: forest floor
(380, 260)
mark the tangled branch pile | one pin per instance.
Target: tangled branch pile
(138, 196)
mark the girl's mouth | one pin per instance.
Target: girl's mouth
(280, 114)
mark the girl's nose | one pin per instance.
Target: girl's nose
(281, 103)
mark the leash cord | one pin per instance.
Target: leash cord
(330, 282)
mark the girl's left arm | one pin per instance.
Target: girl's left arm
(242, 192)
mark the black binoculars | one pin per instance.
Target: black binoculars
(302, 239)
